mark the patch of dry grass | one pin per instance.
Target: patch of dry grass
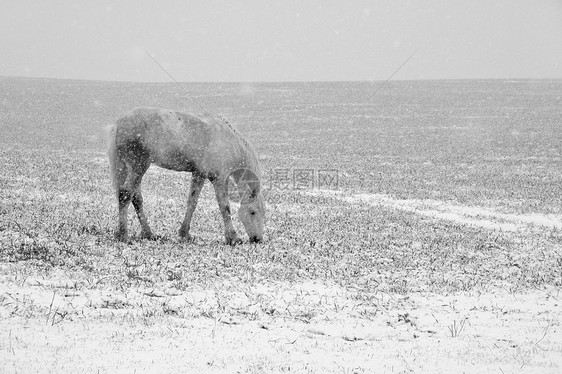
(463, 143)
(57, 207)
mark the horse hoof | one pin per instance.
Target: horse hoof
(233, 241)
(121, 237)
(147, 236)
(187, 238)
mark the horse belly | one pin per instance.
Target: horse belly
(174, 159)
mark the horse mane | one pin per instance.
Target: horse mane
(231, 127)
(249, 159)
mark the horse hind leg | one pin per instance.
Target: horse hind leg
(137, 201)
(129, 191)
(123, 199)
(133, 185)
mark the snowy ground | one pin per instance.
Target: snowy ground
(466, 215)
(48, 325)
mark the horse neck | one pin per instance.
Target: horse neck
(245, 155)
(246, 170)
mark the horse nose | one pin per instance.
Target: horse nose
(255, 239)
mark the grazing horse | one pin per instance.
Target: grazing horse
(199, 144)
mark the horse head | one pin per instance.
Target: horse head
(252, 203)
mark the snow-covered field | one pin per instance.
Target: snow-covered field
(437, 249)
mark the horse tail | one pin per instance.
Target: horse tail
(116, 165)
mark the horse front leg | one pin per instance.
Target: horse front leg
(197, 182)
(224, 207)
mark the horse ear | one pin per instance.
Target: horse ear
(250, 193)
(254, 193)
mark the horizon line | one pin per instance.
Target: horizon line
(22, 77)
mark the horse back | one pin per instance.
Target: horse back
(174, 140)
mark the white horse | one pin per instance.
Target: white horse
(180, 141)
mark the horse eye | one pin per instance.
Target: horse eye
(253, 213)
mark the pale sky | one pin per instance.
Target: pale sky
(260, 40)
